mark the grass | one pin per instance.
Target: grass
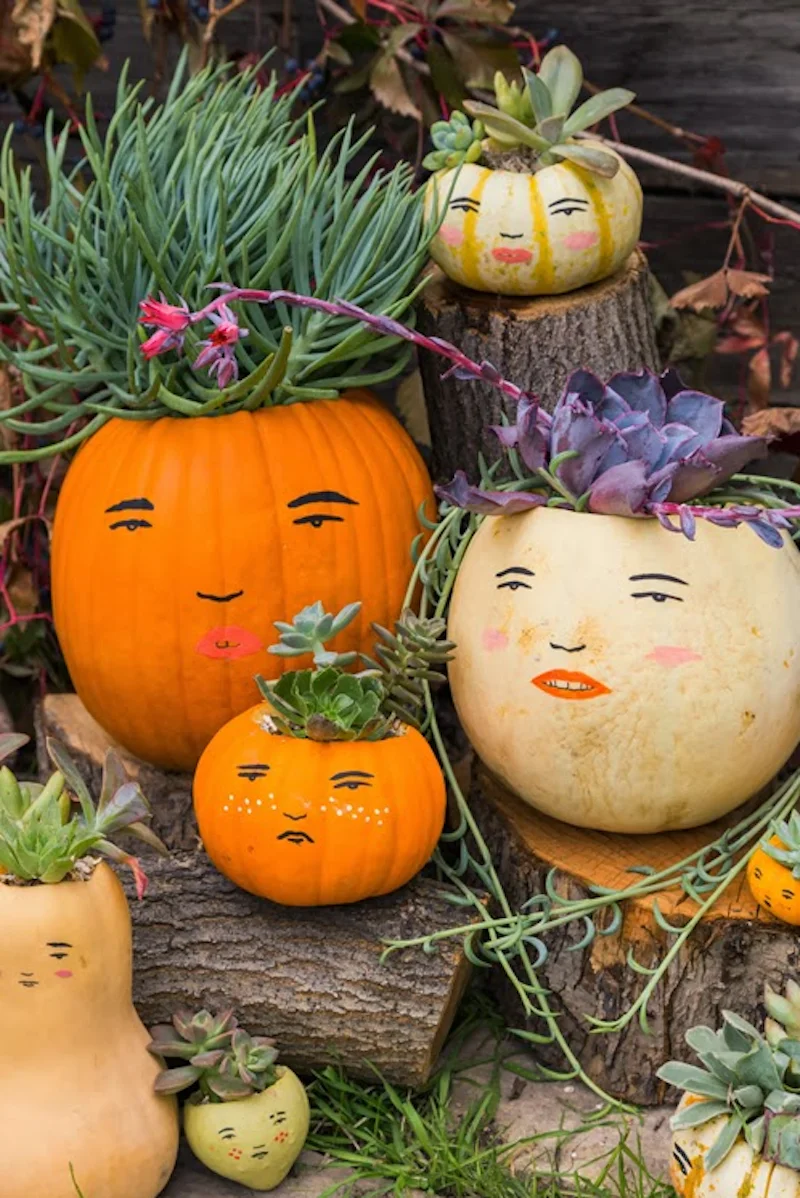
(399, 1140)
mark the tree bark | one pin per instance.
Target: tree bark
(310, 977)
(536, 343)
(734, 951)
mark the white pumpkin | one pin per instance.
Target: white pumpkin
(742, 1174)
(619, 676)
(534, 234)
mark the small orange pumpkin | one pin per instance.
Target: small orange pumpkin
(773, 884)
(306, 823)
(178, 542)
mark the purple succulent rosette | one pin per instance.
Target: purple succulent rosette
(640, 445)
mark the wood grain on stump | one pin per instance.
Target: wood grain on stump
(733, 952)
(536, 343)
(310, 977)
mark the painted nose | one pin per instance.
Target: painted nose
(219, 598)
(568, 648)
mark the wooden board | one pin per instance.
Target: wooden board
(725, 964)
(311, 977)
(536, 343)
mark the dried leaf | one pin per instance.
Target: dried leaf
(33, 20)
(759, 378)
(747, 283)
(711, 292)
(789, 346)
(772, 422)
(359, 7)
(75, 41)
(389, 88)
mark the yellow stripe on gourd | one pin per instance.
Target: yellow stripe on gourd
(470, 246)
(603, 224)
(541, 232)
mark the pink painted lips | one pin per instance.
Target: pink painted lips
(229, 641)
(570, 684)
(505, 253)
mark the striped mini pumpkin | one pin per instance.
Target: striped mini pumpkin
(534, 234)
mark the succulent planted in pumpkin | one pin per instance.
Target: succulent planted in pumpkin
(773, 871)
(528, 210)
(217, 181)
(247, 1118)
(44, 839)
(745, 1089)
(327, 792)
(325, 703)
(223, 1062)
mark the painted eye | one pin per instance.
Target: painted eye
(252, 777)
(758, 873)
(317, 521)
(59, 956)
(567, 211)
(349, 785)
(787, 894)
(657, 596)
(513, 584)
(130, 525)
(463, 206)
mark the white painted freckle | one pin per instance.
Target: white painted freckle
(258, 802)
(238, 809)
(323, 808)
(354, 816)
(386, 811)
(274, 807)
(249, 810)
(272, 796)
(247, 802)
(338, 812)
(377, 810)
(360, 810)
(380, 823)
(226, 807)
(366, 819)
(349, 807)
(230, 798)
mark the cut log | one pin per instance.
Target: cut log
(536, 343)
(310, 977)
(733, 952)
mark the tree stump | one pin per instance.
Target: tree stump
(310, 977)
(733, 952)
(536, 343)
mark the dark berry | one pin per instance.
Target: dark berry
(292, 66)
(310, 64)
(20, 125)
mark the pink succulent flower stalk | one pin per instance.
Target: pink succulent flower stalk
(218, 350)
(170, 322)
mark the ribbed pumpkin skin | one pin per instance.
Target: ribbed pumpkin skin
(370, 832)
(742, 1174)
(77, 1077)
(773, 885)
(162, 668)
(514, 243)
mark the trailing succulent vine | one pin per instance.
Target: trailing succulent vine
(640, 446)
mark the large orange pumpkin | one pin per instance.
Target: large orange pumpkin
(178, 542)
(306, 823)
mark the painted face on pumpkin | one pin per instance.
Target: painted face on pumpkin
(539, 234)
(602, 662)
(53, 961)
(178, 543)
(229, 640)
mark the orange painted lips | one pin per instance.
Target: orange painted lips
(231, 642)
(569, 684)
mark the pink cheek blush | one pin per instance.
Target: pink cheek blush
(672, 655)
(451, 235)
(494, 639)
(63, 973)
(580, 241)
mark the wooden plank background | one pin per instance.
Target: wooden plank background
(731, 70)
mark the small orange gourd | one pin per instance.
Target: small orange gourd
(308, 801)
(773, 872)
(178, 542)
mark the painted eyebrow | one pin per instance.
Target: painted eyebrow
(662, 577)
(253, 765)
(58, 944)
(220, 1130)
(131, 505)
(465, 200)
(515, 570)
(568, 200)
(351, 774)
(321, 497)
